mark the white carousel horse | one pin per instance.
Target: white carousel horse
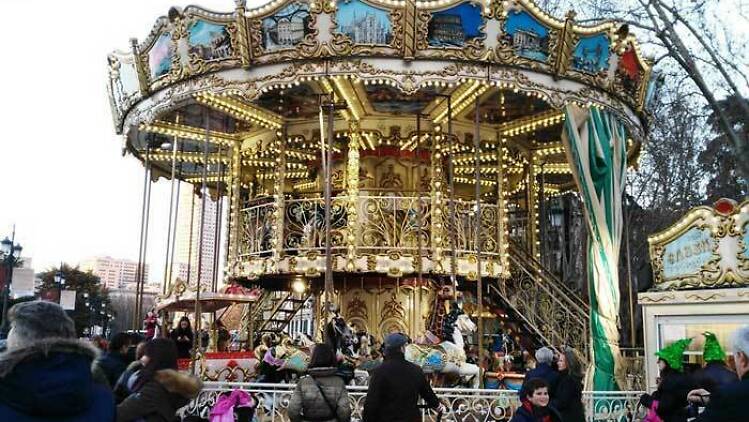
(448, 357)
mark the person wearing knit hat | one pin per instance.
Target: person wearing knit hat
(715, 373)
(46, 373)
(669, 400)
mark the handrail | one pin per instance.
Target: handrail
(550, 277)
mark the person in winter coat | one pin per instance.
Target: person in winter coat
(159, 389)
(124, 385)
(321, 395)
(396, 385)
(568, 397)
(674, 385)
(544, 369)
(183, 337)
(535, 405)
(715, 373)
(46, 373)
(114, 362)
(729, 402)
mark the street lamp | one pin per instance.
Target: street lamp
(11, 252)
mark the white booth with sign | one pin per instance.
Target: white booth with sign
(701, 269)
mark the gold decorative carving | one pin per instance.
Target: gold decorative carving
(705, 298)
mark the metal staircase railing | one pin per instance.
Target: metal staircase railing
(275, 318)
(552, 312)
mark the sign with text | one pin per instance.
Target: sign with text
(707, 247)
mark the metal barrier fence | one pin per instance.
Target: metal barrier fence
(464, 405)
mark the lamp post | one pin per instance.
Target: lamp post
(11, 252)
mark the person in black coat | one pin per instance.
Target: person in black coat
(568, 397)
(114, 362)
(715, 373)
(183, 337)
(730, 403)
(536, 405)
(544, 369)
(396, 385)
(674, 385)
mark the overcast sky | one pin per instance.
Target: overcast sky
(64, 183)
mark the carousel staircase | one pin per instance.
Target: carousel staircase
(539, 305)
(276, 310)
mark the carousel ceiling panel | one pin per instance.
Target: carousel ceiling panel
(301, 101)
(391, 100)
(505, 106)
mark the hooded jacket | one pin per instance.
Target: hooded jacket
(52, 380)
(159, 399)
(307, 404)
(529, 413)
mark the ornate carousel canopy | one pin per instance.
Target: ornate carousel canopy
(235, 98)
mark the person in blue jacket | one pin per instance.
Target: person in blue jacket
(46, 373)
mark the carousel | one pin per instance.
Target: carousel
(388, 166)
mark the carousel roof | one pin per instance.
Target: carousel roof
(247, 75)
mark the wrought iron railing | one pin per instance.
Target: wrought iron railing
(462, 404)
(385, 224)
(553, 313)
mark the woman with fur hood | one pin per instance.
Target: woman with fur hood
(321, 395)
(46, 373)
(159, 390)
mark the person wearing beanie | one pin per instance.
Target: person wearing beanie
(396, 385)
(669, 401)
(46, 373)
(715, 373)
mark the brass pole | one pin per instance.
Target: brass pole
(328, 153)
(420, 219)
(477, 236)
(453, 220)
(204, 193)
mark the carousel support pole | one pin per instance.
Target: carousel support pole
(453, 219)
(543, 237)
(532, 203)
(352, 180)
(420, 219)
(198, 283)
(142, 250)
(477, 235)
(436, 188)
(278, 196)
(233, 220)
(166, 281)
(503, 234)
(250, 328)
(327, 153)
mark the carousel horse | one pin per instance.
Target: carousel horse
(448, 357)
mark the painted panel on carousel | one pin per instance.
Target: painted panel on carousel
(629, 72)
(160, 56)
(592, 54)
(527, 35)
(209, 41)
(363, 23)
(388, 99)
(455, 26)
(688, 253)
(745, 237)
(287, 27)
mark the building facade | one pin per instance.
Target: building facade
(189, 247)
(115, 273)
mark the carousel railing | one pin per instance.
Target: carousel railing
(385, 223)
(476, 405)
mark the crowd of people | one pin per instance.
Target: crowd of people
(47, 374)
(684, 390)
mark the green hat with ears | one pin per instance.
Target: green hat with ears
(712, 352)
(672, 354)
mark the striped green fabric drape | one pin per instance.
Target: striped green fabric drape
(595, 143)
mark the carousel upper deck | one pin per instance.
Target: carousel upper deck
(436, 102)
